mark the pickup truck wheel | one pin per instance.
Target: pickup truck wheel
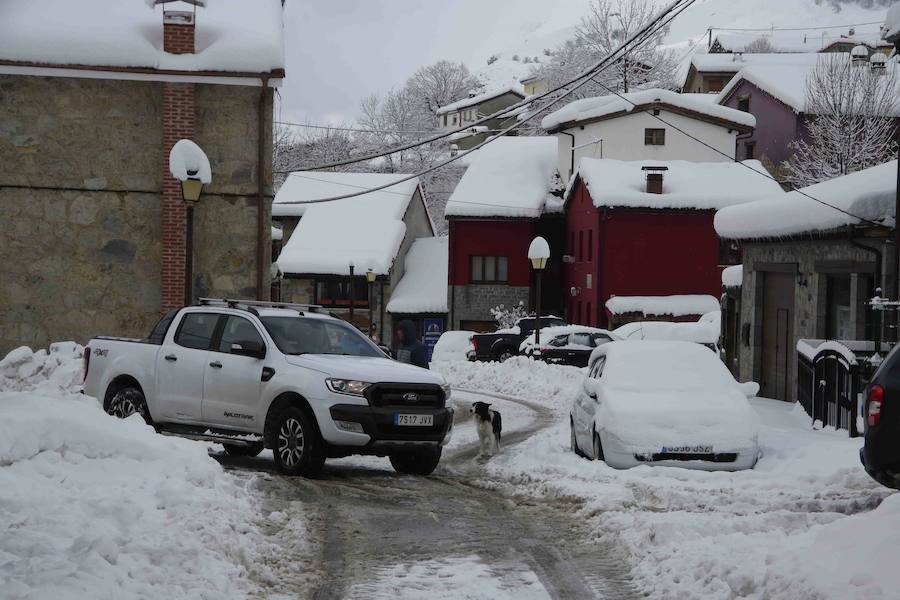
(417, 462)
(505, 355)
(297, 446)
(249, 451)
(128, 401)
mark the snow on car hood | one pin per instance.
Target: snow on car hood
(647, 421)
(365, 368)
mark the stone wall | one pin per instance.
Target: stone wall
(814, 260)
(85, 259)
(474, 302)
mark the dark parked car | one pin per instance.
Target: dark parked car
(504, 344)
(880, 454)
(572, 348)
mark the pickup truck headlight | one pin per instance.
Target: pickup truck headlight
(446, 388)
(347, 386)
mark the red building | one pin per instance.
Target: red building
(645, 228)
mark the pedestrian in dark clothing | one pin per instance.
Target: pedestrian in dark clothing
(409, 349)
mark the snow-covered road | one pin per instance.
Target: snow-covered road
(374, 534)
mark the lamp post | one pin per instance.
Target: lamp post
(370, 277)
(190, 193)
(351, 291)
(538, 253)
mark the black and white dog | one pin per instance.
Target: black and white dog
(489, 425)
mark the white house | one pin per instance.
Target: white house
(626, 128)
(477, 106)
(371, 232)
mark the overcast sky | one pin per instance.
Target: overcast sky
(339, 51)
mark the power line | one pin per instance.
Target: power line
(364, 130)
(676, 5)
(766, 175)
(663, 19)
(796, 28)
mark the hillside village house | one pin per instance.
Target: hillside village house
(372, 232)
(477, 106)
(503, 201)
(626, 128)
(791, 42)
(808, 270)
(639, 229)
(92, 97)
(777, 96)
(710, 73)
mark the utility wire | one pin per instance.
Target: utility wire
(797, 28)
(363, 130)
(663, 19)
(676, 5)
(725, 154)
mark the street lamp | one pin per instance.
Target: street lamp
(538, 253)
(189, 165)
(351, 291)
(370, 277)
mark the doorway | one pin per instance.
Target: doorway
(777, 347)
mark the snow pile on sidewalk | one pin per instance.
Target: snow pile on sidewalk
(55, 371)
(787, 529)
(92, 506)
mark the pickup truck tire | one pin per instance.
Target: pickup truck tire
(126, 401)
(417, 462)
(248, 451)
(505, 354)
(296, 443)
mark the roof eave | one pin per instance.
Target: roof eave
(272, 74)
(740, 127)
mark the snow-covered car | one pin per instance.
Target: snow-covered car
(704, 331)
(567, 345)
(251, 375)
(453, 345)
(670, 403)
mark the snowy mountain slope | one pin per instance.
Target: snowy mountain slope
(538, 25)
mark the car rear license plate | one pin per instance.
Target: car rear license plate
(413, 420)
(687, 450)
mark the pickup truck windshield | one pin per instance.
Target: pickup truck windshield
(298, 335)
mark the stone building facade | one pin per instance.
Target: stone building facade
(94, 233)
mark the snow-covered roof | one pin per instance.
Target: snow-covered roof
(792, 41)
(733, 277)
(510, 177)
(483, 97)
(366, 230)
(604, 106)
(686, 185)
(231, 35)
(423, 287)
(868, 194)
(676, 306)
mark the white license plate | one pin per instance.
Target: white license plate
(687, 450)
(413, 420)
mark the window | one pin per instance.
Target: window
(654, 137)
(559, 341)
(299, 335)
(336, 292)
(599, 339)
(237, 330)
(744, 103)
(580, 245)
(581, 339)
(445, 119)
(837, 321)
(572, 243)
(749, 150)
(196, 330)
(588, 316)
(729, 252)
(590, 245)
(489, 269)
(454, 119)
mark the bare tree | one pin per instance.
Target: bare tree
(851, 111)
(440, 84)
(761, 45)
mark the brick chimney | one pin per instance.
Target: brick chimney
(178, 32)
(654, 179)
(178, 123)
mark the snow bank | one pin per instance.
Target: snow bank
(452, 345)
(232, 35)
(676, 306)
(868, 194)
(511, 177)
(187, 160)
(423, 287)
(733, 277)
(779, 531)
(602, 106)
(59, 370)
(702, 186)
(92, 504)
(366, 230)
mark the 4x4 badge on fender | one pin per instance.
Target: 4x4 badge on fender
(410, 397)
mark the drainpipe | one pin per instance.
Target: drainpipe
(262, 293)
(572, 156)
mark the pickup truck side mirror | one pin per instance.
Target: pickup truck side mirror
(590, 388)
(248, 348)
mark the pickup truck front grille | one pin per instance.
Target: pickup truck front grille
(406, 394)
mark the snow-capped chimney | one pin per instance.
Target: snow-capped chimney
(178, 32)
(655, 179)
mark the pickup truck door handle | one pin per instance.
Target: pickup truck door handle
(215, 364)
(171, 357)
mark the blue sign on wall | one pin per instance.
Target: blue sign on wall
(433, 329)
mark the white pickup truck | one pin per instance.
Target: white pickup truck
(253, 375)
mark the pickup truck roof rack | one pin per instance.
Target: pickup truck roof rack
(251, 305)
